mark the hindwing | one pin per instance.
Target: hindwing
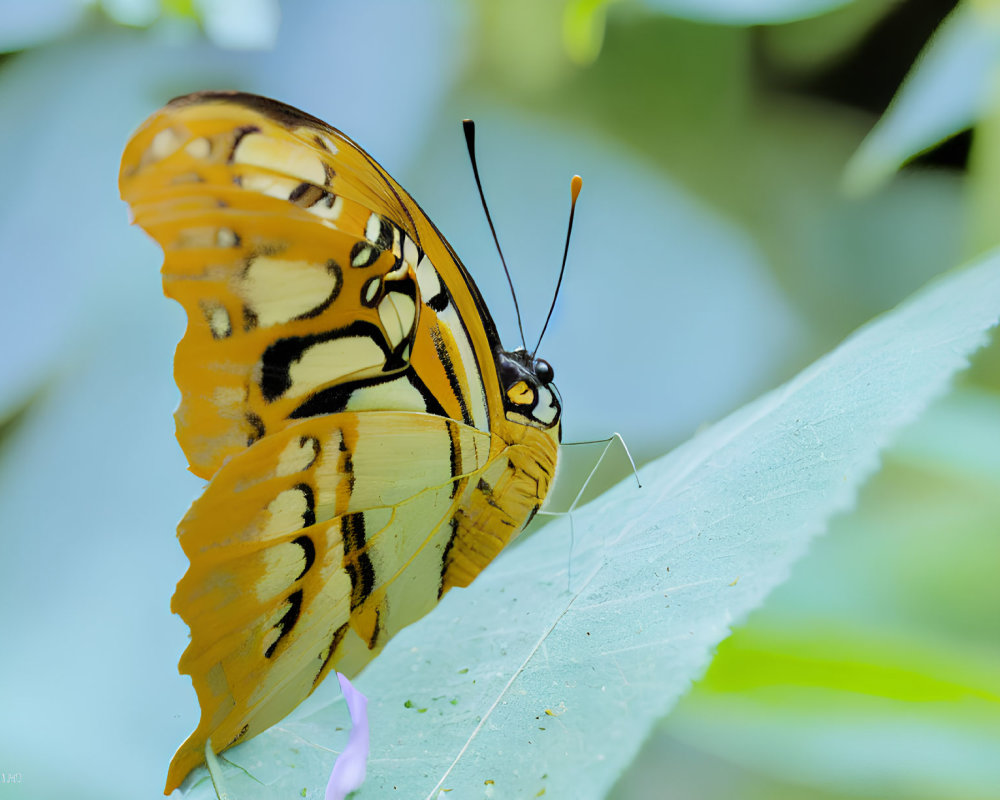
(311, 549)
(313, 283)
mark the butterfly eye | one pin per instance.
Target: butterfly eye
(544, 370)
(520, 394)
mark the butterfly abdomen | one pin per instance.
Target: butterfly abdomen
(499, 504)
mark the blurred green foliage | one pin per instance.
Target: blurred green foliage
(760, 179)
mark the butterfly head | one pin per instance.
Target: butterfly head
(529, 395)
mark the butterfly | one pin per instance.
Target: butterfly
(367, 441)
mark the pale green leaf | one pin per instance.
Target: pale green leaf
(548, 673)
(872, 671)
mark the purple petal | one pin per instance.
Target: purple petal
(349, 769)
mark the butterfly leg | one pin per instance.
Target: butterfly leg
(593, 471)
(579, 495)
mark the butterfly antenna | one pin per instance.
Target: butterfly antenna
(470, 139)
(574, 187)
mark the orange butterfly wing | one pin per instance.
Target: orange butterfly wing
(269, 217)
(340, 389)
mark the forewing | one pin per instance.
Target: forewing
(312, 282)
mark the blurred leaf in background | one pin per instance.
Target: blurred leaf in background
(716, 253)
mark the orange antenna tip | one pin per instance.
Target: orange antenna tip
(575, 186)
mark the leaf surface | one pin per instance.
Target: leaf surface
(550, 670)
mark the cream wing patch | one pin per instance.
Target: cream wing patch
(395, 394)
(298, 455)
(287, 512)
(278, 290)
(326, 362)
(393, 466)
(397, 313)
(279, 155)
